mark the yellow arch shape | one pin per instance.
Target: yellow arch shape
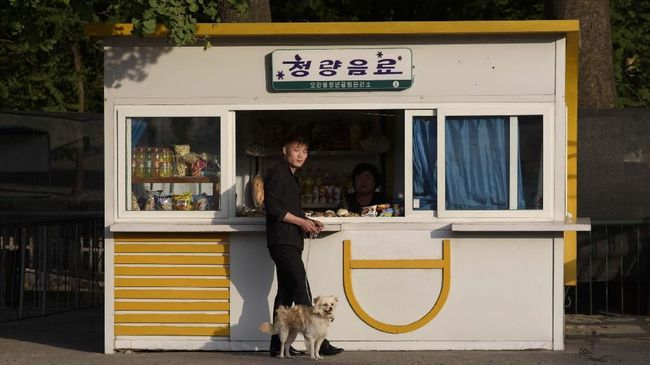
(349, 264)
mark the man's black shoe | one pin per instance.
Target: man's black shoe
(274, 352)
(327, 349)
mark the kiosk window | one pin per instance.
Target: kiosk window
(174, 163)
(424, 163)
(493, 163)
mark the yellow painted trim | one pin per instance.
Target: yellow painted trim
(171, 271)
(392, 328)
(160, 237)
(172, 318)
(171, 331)
(172, 306)
(571, 95)
(173, 282)
(175, 259)
(351, 28)
(397, 264)
(171, 294)
(170, 248)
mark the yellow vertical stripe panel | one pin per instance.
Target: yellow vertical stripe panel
(173, 282)
(170, 331)
(170, 248)
(175, 259)
(571, 94)
(172, 318)
(171, 294)
(169, 237)
(171, 271)
(172, 306)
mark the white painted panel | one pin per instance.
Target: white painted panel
(501, 289)
(252, 285)
(522, 67)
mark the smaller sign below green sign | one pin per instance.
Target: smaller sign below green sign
(347, 69)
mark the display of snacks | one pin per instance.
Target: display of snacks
(152, 196)
(165, 202)
(183, 202)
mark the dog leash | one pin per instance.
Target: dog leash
(311, 236)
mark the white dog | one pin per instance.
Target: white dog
(312, 322)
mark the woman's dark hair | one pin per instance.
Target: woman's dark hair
(363, 167)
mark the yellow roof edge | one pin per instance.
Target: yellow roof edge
(101, 30)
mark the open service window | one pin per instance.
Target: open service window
(170, 162)
(354, 166)
(480, 161)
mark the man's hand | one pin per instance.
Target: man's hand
(311, 226)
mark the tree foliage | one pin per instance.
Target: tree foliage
(178, 16)
(38, 44)
(47, 63)
(631, 41)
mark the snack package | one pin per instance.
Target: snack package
(202, 202)
(181, 149)
(134, 202)
(183, 202)
(369, 211)
(152, 195)
(330, 213)
(388, 212)
(165, 202)
(257, 187)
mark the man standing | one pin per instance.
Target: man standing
(286, 225)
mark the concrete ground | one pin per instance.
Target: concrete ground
(76, 338)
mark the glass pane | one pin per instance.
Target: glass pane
(530, 162)
(174, 163)
(476, 163)
(425, 143)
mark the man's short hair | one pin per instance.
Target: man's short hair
(296, 138)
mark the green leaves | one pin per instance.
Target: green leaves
(178, 16)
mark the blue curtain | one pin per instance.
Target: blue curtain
(424, 162)
(138, 127)
(476, 164)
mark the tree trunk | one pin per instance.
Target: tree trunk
(596, 87)
(259, 11)
(76, 57)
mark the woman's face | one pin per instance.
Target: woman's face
(364, 183)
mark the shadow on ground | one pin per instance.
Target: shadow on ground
(80, 330)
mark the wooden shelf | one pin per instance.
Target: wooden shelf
(176, 179)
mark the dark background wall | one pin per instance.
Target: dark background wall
(614, 165)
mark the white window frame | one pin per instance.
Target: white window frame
(409, 116)
(546, 110)
(123, 115)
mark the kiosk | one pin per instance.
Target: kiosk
(471, 124)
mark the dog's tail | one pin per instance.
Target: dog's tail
(268, 328)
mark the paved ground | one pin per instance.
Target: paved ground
(76, 338)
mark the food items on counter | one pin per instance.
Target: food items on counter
(318, 214)
(330, 213)
(150, 204)
(165, 203)
(369, 211)
(181, 149)
(183, 202)
(257, 188)
(388, 212)
(343, 212)
(202, 202)
(134, 202)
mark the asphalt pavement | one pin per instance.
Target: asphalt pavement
(77, 338)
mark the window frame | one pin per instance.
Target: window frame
(547, 111)
(123, 114)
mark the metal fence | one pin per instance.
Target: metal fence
(613, 270)
(50, 267)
